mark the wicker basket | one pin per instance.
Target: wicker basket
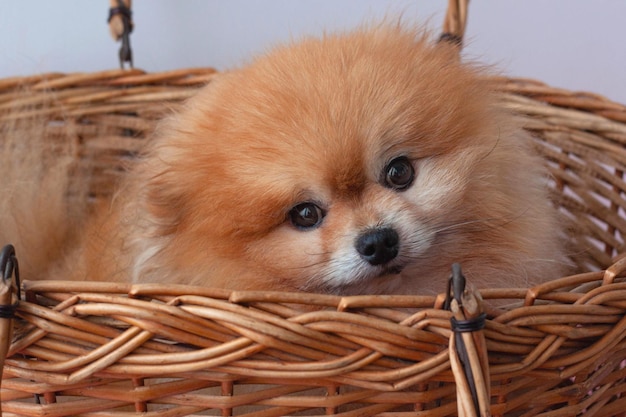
(115, 349)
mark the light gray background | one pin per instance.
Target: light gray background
(574, 44)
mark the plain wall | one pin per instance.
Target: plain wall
(574, 44)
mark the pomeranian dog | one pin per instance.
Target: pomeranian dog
(358, 163)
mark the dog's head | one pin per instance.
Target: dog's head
(341, 164)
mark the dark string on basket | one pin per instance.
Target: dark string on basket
(10, 269)
(121, 10)
(456, 286)
(451, 38)
(7, 311)
(470, 325)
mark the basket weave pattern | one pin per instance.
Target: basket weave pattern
(582, 137)
(106, 113)
(109, 345)
(106, 349)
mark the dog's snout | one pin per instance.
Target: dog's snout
(378, 246)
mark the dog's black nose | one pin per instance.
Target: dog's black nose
(378, 246)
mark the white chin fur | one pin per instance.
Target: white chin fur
(355, 276)
(373, 284)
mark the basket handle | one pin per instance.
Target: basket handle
(468, 349)
(9, 289)
(455, 22)
(121, 25)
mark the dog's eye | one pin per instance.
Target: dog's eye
(306, 215)
(399, 173)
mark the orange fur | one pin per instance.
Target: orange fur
(317, 121)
